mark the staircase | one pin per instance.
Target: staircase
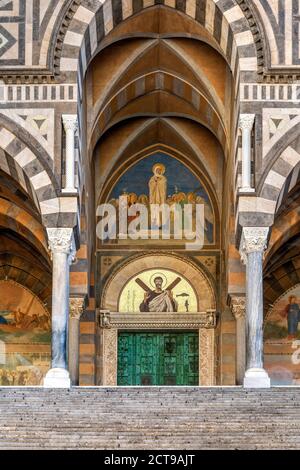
(149, 418)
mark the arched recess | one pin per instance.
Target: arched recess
(281, 337)
(215, 18)
(200, 281)
(25, 279)
(25, 335)
(282, 263)
(287, 215)
(110, 183)
(20, 221)
(180, 138)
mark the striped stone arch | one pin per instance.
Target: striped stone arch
(290, 184)
(11, 167)
(224, 19)
(15, 268)
(19, 221)
(32, 168)
(27, 163)
(283, 168)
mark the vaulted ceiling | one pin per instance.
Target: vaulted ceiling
(159, 82)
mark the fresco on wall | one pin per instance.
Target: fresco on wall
(282, 339)
(162, 179)
(158, 290)
(25, 336)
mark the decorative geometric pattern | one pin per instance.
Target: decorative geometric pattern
(276, 122)
(12, 32)
(38, 122)
(6, 40)
(26, 30)
(281, 22)
(38, 93)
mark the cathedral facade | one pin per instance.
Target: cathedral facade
(112, 112)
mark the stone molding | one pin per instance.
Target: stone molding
(206, 357)
(149, 320)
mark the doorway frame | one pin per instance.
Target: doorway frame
(109, 324)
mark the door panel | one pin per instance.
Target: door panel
(158, 359)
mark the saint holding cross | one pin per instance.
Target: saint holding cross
(158, 300)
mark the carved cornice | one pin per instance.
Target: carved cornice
(52, 71)
(254, 239)
(265, 72)
(257, 34)
(62, 29)
(148, 320)
(237, 305)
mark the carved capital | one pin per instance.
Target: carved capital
(76, 307)
(246, 121)
(105, 319)
(61, 240)
(254, 239)
(238, 306)
(70, 122)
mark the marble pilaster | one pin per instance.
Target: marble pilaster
(76, 305)
(246, 124)
(70, 126)
(238, 308)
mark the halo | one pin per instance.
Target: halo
(159, 165)
(162, 275)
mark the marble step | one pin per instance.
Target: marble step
(151, 418)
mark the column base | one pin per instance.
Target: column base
(256, 378)
(246, 190)
(69, 190)
(57, 378)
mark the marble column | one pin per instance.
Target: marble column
(253, 245)
(246, 124)
(76, 310)
(238, 308)
(62, 246)
(70, 126)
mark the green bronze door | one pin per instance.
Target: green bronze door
(158, 359)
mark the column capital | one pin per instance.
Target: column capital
(254, 239)
(246, 121)
(76, 307)
(61, 240)
(238, 306)
(70, 122)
